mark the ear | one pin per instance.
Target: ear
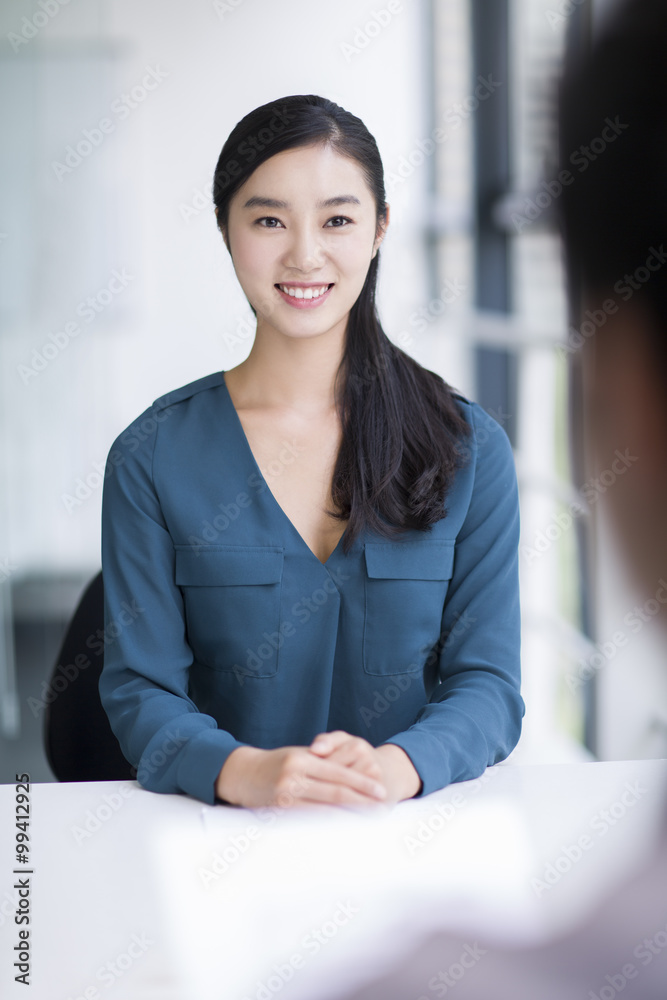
(224, 234)
(383, 233)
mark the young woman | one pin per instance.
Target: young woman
(311, 622)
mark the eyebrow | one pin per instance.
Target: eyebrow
(342, 199)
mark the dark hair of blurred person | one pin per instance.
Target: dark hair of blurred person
(614, 223)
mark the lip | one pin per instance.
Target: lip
(304, 303)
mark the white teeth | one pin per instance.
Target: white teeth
(304, 293)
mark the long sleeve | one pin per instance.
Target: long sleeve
(473, 716)
(144, 682)
(216, 609)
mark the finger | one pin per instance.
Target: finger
(307, 767)
(345, 748)
(348, 750)
(324, 743)
(359, 756)
(331, 793)
(334, 773)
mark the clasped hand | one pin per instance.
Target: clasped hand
(337, 768)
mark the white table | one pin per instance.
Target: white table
(137, 895)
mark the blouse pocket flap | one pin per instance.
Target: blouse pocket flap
(432, 560)
(217, 566)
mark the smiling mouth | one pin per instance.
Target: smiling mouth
(312, 292)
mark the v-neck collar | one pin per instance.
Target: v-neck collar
(253, 461)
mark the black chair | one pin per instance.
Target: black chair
(78, 739)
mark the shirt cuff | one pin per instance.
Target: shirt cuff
(201, 762)
(427, 759)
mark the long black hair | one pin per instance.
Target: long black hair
(403, 432)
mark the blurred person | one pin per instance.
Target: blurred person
(310, 561)
(614, 224)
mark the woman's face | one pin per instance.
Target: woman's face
(281, 235)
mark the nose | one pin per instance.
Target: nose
(304, 251)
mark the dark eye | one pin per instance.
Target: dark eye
(267, 218)
(339, 218)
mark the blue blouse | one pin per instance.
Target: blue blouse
(224, 629)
